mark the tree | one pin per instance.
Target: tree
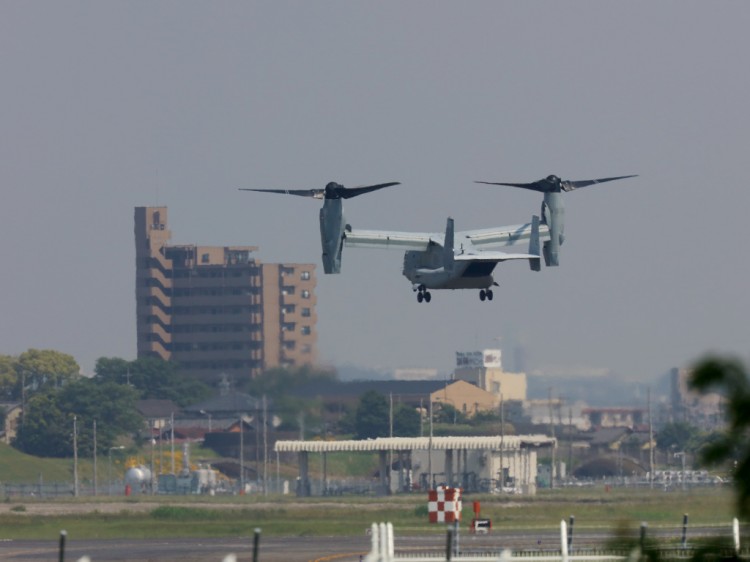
(276, 382)
(8, 376)
(406, 421)
(153, 378)
(447, 413)
(729, 376)
(47, 429)
(677, 436)
(372, 417)
(44, 368)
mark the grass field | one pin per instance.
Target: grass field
(160, 517)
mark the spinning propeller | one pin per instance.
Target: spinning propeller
(331, 191)
(553, 184)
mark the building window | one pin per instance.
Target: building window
(305, 330)
(305, 294)
(204, 258)
(306, 313)
(305, 276)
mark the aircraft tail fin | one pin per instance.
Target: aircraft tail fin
(534, 247)
(448, 245)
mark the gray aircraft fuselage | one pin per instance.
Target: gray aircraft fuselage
(463, 275)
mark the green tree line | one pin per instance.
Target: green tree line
(52, 392)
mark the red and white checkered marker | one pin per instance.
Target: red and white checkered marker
(444, 505)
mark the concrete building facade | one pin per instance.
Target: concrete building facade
(466, 398)
(216, 309)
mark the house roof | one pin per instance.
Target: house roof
(229, 403)
(152, 408)
(608, 435)
(355, 389)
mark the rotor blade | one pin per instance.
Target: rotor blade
(349, 192)
(315, 193)
(568, 185)
(535, 186)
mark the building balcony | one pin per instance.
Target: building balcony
(213, 337)
(216, 319)
(213, 355)
(216, 300)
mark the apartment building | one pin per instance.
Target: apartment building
(218, 310)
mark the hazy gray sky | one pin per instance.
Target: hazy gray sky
(111, 105)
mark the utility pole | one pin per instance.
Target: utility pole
(429, 452)
(554, 445)
(265, 446)
(570, 441)
(650, 443)
(502, 443)
(96, 491)
(390, 414)
(75, 456)
(153, 467)
(421, 418)
(242, 456)
(171, 438)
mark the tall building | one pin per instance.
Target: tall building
(218, 310)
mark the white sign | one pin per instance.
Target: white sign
(492, 358)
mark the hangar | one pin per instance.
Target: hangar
(472, 463)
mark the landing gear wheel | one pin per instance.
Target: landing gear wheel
(420, 296)
(482, 295)
(489, 294)
(427, 296)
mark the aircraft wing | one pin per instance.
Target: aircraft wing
(503, 235)
(493, 256)
(390, 239)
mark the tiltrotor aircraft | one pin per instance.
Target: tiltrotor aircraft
(449, 260)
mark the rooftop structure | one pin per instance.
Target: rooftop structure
(485, 370)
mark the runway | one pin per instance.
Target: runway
(306, 549)
(272, 549)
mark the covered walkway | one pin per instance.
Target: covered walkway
(403, 447)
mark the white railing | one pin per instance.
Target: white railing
(382, 550)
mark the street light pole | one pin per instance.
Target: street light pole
(205, 413)
(109, 470)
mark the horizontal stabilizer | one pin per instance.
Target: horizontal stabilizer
(390, 239)
(493, 256)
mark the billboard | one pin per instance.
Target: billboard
(489, 358)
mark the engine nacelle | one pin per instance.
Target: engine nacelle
(332, 225)
(553, 214)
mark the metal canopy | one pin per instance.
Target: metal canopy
(497, 442)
